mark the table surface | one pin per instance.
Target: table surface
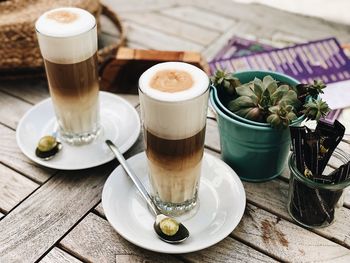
(56, 216)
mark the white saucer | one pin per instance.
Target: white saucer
(119, 120)
(221, 207)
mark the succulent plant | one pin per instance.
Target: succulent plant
(270, 101)
(315, 109)
(227, 81)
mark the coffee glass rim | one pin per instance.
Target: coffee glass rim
(65, 37)
(177, 101)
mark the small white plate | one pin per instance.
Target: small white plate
(119, 120)
(221, 207)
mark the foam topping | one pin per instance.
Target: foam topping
(194, 80)
(65, 22)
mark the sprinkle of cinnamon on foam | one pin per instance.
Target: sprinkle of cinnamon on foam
(62, 16)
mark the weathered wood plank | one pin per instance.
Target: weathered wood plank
(11, 109)
(42, 219)
(14, 188)
(228, 250)
(57, 255)
(199, 17)
(272, 196)
(173, 27)
(212, 138)
(84, 241)
(122, 6)
(284, 240)
(210, 51)
(267, 17)
(30, 90)
(157, 40)
(12, 156)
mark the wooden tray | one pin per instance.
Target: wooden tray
(121, 73)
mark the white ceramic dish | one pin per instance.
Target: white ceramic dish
(221, 207)
(120, 123)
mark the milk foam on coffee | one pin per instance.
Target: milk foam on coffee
(182, 118)
(60, 29)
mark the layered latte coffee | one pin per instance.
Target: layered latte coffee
(173, 99)
(68, 43)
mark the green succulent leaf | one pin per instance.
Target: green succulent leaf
(279, 93)
(245, 90)
(270, 84)
(241, 102)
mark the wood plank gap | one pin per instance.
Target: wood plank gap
(26, 176)
(16, 96)
(57, 243)
(211, 149)
(40, 185)
(7, 126)
(58, 255)
(96, 212)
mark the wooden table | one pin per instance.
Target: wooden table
(56, 216)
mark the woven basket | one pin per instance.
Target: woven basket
(19, 50)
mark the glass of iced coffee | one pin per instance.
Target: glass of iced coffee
(174, 100)
(68, 43)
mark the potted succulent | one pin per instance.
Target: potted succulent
(255, 109)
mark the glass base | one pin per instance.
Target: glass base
(79, 138)
(314, 226)
(176, 209)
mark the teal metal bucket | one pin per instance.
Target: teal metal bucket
(256, 153)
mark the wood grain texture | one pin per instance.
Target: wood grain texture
(30, 90)
(284, 240)
(14, 187)
(57, 255)
(93, 229)
(12, 156)
(302, 26)
(199, 17)
(42, 219)
(157, 40)
(272, 196)
(11, 109)
(228, 250)
(212, 138)
(137, 6)
(174, 27)
(94, 240)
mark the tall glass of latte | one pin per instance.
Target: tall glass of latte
(68, 43)
(174, 100)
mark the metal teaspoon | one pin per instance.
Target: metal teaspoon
(182, 233)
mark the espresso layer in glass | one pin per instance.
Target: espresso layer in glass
(74, 90)
(175, 166)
